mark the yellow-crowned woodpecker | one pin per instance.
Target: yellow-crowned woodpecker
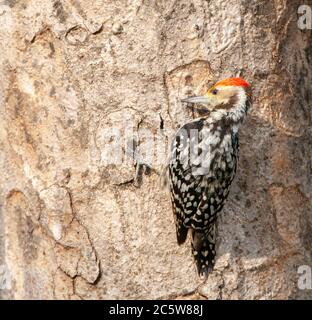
(202, 165)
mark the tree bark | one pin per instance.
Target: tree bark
(74, 226)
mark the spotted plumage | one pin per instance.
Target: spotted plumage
(202, 166)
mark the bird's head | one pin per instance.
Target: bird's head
(230, 96)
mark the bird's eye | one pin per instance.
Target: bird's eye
(214, 91)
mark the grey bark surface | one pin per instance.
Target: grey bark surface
(72, 227)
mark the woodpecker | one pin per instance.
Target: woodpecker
(202, 164)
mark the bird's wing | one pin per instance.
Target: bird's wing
(188, 184)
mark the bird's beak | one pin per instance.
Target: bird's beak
(200, 99)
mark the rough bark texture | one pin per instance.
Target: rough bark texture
(73, 227)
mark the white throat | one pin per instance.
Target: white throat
(239, 110)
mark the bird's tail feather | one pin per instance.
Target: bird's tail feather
(203, 249)
(181, 233)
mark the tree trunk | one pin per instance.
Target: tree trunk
(73, 223)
